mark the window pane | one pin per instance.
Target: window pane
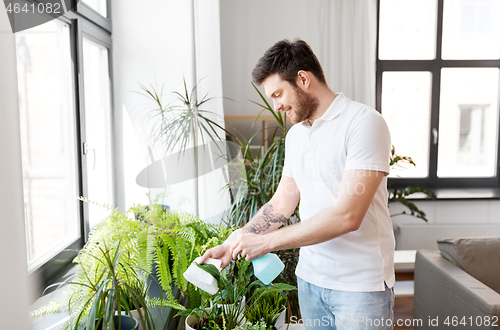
(406, 101)
(100, 6)
(468, 120)
(98, 128)
(407, 30)
(46, 104)
(471, 29)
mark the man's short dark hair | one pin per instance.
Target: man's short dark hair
(287, 58)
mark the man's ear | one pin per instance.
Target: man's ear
(303, 79)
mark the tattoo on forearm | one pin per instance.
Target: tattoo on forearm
(263, 220)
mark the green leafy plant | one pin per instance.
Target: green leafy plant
(259, 325)
(182, 121)
(169, 243)
(115, 289)
(267, 309)
(399, 195)
(160, 244)
(238, 289)
(258, 176)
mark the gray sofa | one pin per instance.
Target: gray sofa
(458, 287)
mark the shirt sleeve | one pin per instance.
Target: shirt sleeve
(287, 171)
(369, 144)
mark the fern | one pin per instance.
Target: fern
(157, 302)
(147, 244)
(105, 206)
(193, 295)
(188, 234)
(182, 264)
(50, 308)
(163, 268)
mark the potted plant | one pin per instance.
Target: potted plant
(117, 289)
(399, 195)
(120, 234)
(160, 241)
(269, 309)
(227, 308)
(260, 325)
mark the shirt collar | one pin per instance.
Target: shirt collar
(338, 104)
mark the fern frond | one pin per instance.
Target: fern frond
(182, 263)
(50, 308)
(105, 206)
(157, 302)
(193, 295)
(146, 246)
(189, 235)
(164, 272)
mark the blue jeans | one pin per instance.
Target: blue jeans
(345, 310)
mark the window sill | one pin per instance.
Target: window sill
(447, 194)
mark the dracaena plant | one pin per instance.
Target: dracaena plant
(258, 176)
(180, 123)
(115, 289)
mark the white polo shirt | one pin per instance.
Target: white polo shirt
(348, 136)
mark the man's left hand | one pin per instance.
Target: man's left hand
(250, 246)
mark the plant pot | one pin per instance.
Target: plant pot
(135, 315)
(127, 323)
(280, 322)
(228, 307)
(191, 321)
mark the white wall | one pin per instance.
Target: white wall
(248, 29)
(482, 212)
(14, 275)
(341, 33)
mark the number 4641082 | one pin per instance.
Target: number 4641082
(48, 8)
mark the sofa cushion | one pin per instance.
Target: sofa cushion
(479, 257)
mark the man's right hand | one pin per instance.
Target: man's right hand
(220, 252)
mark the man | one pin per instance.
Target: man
(337, 160)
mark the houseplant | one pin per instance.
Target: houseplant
(260, 325)
(238, 293)
(225, 308)
(170, 241)
(181, 123)
(117, 289)
(399, 195)
(269, 309)
(259, 176)
(163, 242)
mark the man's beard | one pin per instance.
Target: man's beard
(306, 105)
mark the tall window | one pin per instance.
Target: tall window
(437, 86)
(49, 144)
(97, 147)
(65, 108)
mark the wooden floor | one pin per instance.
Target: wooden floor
(403, 310)
(403, 306)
